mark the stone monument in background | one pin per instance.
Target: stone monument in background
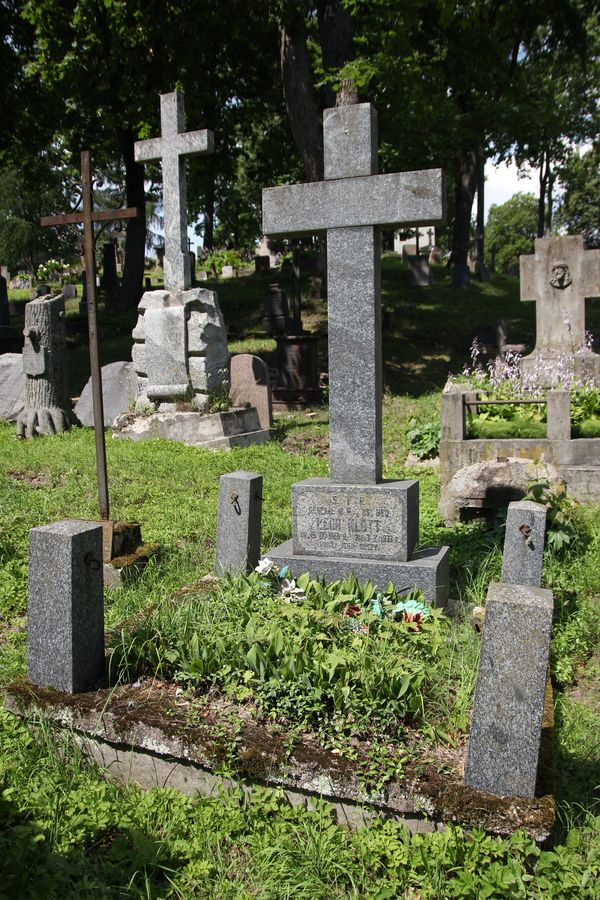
(355, 522)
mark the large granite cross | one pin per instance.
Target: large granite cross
(559, 277)
(350, 206)
(170, 150)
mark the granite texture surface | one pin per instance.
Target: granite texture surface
(350, 141)
(119, 392)
(239, 522)
(427, 569)
(345, 520)
(170, 150)
(250, 383)
(65, 632)
(524, 543)
(166, 353)
(12, 386)
(216, 431)
(507, 715)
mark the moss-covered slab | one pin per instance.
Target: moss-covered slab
(153, 734)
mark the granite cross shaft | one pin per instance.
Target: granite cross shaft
(170, 150)
(559, 277)
(88, 216)
(351, 205)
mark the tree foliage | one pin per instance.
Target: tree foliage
(579, 207)
(511, 230)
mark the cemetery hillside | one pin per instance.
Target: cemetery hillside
(299, 450)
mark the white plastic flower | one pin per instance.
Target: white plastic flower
(265, 566)
(290, 592)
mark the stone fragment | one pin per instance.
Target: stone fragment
(65, 631)
(12, 386)
(119, 392)
(239, 523)
(506, 724)
(250, 385)
(524, 543)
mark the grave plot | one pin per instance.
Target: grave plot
(534, 418)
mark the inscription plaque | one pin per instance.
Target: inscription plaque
(354, 521)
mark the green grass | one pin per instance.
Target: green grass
(66, 831)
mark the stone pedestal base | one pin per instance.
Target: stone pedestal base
(219, 431)
(427, 569)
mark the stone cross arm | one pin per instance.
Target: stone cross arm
(405, 198)
(560, 265)
(180, 144)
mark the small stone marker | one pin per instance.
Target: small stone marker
(239, 523)
(355, 523)
(559, 277)
(506, 726)
(227, 272)
(171, 150)
(250, 384)
(419, 273)
(65, 631)
(524, 543)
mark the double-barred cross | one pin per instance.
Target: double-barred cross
(351, 205)
(87, 215)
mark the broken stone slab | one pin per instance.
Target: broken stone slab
(524, 543)
(142, 734)
(216, 431)
(12, 386)
(119, 392)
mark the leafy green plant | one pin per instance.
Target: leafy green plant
(220, 258)
(424, 440)
(562, 525)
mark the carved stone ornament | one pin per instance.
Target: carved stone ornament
(561, 277)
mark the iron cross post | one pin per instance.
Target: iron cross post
(88, 216)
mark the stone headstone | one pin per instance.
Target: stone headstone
(171, 151)
(239, 523)
(506, 724)
(559, 277)
(351, 205)
(277, 319)
(524, 543)
(419, 273)
(12, 386)
(69, 291)
(227, 272)
(202, 275)
(109, 280)
(250, 384)
(119, 393)
(65, 628)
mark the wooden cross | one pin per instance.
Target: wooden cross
(88, 216)
(171, 150)
(559, 277)
(351, 205)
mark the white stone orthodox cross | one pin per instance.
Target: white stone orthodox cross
(171, 150)
(351, 205)
(559, 276)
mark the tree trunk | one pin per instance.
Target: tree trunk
(336, 39)
(209, 209)
(135, 242)
(47, 402)
(465, 182)
(480, 227)
(550, 191)
(544, 173)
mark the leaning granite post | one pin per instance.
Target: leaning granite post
(524, 543)
(239, 523)
(65, 631)
(506, 726)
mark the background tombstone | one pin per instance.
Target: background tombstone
(109, 280)
(227, 272)
(419, 273)
(65, 628)
(9, 339)
(119, 393)
(524, 543)
(12, 386)
(506, 725)
(250, 384)
(262, 264)
(559, 276)
(47, 402)
(239, 523)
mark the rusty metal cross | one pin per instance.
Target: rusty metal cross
(88, 216)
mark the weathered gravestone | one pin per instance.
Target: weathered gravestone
(119, 393)
(508, 709)
(559, 277)
(48, 407)
(227, 272)
(524, 543)
(419, 273)
(250, 385)
(12, 386)
(180, 353)
(239, 523)
(354, 522)
(65, 610)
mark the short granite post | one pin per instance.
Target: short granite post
(559, 416)
(239, 523)
(452, 413)
(506, 725)
(524, 543)
(65, 632)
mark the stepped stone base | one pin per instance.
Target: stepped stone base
(427, 569)
(216, 431)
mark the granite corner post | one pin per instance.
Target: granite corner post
(239, 523)
(65, 633)
(524, 543)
